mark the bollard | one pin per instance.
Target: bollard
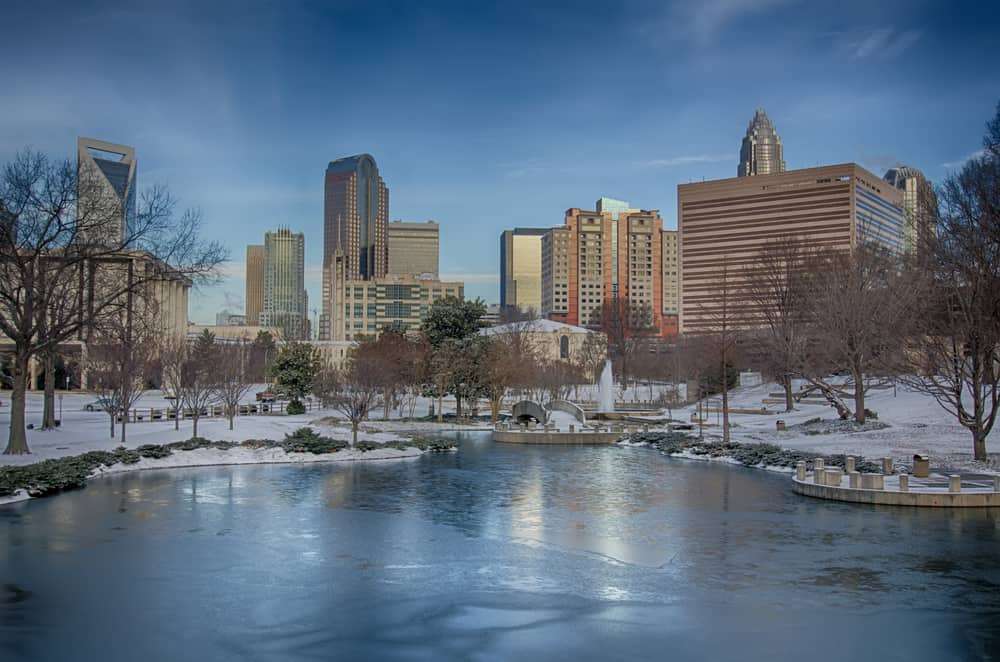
(872, 482)
(954, 483)
(818, 471)
(779, 425)
(531, 425)
(800, 471)
(855, 478)
(832, 477)
(849, 464)
(996, 483)
(887, 466)
(904, 482)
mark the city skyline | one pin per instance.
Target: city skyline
(524, 158)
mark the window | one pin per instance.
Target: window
(564, 347)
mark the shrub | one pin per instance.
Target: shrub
(305, 440)
(295, 407)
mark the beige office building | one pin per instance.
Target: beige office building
(254, 284)
(724, 224)
(414, 248)
(363, 308)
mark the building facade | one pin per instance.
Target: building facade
(254, 283)
(363, 308)
(551, 340)
(724, 224)
(355, 220)
(919, 204)
(761, 152)
(600, 255)
(671, 270)
(286, 304)
(414, 248)
(521, 268)
(106, 189)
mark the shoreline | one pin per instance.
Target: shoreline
(205, 457)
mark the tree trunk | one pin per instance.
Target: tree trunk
(194, 431)
(440, 408)
(17, 441)
(49, 399)
(231, 417)
(979, 446)
(177, 417)
(789, 398)
(494, 409)
(111, 415)
(458, 408)
(725, 406)
(354, 433)
(859, 397)
(124, 421)
(386, 404)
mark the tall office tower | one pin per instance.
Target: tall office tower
(355, 216)
(724, 224)
(254, 284)
(106, 183)
(521, 269)
(285, 302)
(413, 248)
(671, 267)
(761, 152)
(919, 202)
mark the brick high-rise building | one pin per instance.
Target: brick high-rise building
(602, 254)
(724, 224)
(355, 220)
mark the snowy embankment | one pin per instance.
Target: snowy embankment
(83, 432)
(908, 423)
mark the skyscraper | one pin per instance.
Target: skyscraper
(761, 152)
(254, 284)
(285, 300)
(521, 268)
(919, 201)
(355, 219)
(106, 182)
(413, 248)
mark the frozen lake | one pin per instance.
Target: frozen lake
(493, 552)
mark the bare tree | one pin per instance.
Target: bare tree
(67, 259)
(722, 335)
(624, 324)
(860, 301)
(509, 358)
(775, 286)
(232, 379)
(173, 357)
(359, 386)
(198, 379)
(121, 362)
(954, 354)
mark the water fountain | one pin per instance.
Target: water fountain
(606, 390)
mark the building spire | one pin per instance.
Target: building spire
(761, 152)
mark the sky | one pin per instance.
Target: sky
(484, 116)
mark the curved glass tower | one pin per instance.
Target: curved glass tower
(761, 152)
(919, 204)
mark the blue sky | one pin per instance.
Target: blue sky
(485, 116)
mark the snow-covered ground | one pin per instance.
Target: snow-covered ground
(916, 424)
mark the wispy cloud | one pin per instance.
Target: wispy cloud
(687, 160)
(958, 164)
(705, 20)
(885, 42)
